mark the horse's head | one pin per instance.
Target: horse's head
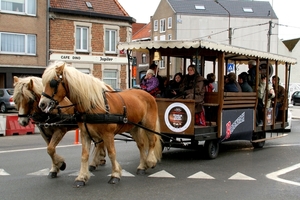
(27, 92)
(55, 89)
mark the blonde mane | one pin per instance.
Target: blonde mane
(21, 90)
(85, 90)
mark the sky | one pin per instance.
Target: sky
(287, 12)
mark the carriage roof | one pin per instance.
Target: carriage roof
(209, 49)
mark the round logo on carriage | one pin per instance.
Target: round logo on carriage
(177, 117)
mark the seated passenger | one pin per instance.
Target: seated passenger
(211, 86)
(150, 83)
(193, 87)
(243, 81)
(279, 92)
(173, 87)
(232, 85)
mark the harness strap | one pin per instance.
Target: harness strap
(88, 132)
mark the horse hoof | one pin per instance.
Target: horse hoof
(141, 172)
(52, 175)
(78, 184)
(92, 168)
(63, 166)
(114, 180)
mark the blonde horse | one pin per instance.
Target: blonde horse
(103, 114)
(27, 93)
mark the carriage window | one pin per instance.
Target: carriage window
(82, 39)
(12, 43)
(110, 41)
(110, 77)
(19, 6)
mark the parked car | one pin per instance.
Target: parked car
(6, 100)
(295, 97)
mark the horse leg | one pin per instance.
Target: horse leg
(111, 151)
(84, 174)
(99, 157)
(137, 135)
(58, 162)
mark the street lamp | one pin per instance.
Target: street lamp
(229, 28)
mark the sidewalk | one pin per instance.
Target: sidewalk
(295, 112)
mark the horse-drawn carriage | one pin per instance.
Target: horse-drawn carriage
(229, 115)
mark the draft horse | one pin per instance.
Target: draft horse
(53, 127)
(103, 114)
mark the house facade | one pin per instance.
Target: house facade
(85, 34)
(248, 24)
(23, 33)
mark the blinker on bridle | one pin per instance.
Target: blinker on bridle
(54, 84)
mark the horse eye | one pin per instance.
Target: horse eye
(53, 83)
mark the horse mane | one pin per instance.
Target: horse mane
(21, 90)
(86, 90)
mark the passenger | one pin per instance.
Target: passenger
(173, 87)
(232, 85)
(242, 79)
(212, 86)
(280, 94)
(193, 87)
(150, 83)
(263, 93)
(251, 73)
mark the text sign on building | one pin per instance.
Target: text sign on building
(92, 59)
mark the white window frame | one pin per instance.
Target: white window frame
(110, 45)
(83, 44)
(28, 7)
(162, 63)
(162, 25)
(108, 79)
(155, 26)
(27, 46)
(144, 58)
(169, 22)
(169, 36)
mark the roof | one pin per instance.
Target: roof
(290, 44)
(230, 51)
(144, 33)
(261, 9)
(98, 8)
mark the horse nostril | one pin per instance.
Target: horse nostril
(42, 105)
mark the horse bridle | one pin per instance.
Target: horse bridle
(30, 103)
(54, 84)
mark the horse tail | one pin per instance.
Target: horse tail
(158, 140)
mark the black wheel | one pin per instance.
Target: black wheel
(258, 136)
(293, 102)
(211, 148)
(3, 108)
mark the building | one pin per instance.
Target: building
(23, 43)
(85, 34)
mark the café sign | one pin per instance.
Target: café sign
(86, 58)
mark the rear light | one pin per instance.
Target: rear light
(11, 99)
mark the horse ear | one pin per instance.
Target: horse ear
(16, 79)
(30, 85)
(60, 68)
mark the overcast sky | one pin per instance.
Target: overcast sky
(286, 10)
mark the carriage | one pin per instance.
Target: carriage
(229, 115)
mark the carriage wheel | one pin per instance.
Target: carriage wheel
(211, 148)
(260, 135)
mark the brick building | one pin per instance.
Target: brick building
(86, 33)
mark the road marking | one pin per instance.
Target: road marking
(274, 175)
(201, 175)
(162, 174)
(3, 173)
(240, 176)
(77, 173)
(125, 174)
(39, 148)
(42, 172)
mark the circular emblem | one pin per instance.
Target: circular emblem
(178, 117)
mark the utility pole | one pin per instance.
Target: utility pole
(229, 28)
(269, 36)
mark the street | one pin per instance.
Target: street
(239, 172)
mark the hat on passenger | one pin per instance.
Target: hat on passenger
(150, 71)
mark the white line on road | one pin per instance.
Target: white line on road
(274, 175)
(34, 149)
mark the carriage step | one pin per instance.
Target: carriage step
(270, 138)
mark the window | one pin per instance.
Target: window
(199, 7)
(169, 37)
(170, 22)
(155, 25)
(249, 10)
(19, 6)
(13, 43)
(110, 41)
(82, 39)
(110, 77)
(162, 63)
(163, 25)
(144, 58)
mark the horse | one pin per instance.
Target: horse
(27, 93)
(102, 114)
